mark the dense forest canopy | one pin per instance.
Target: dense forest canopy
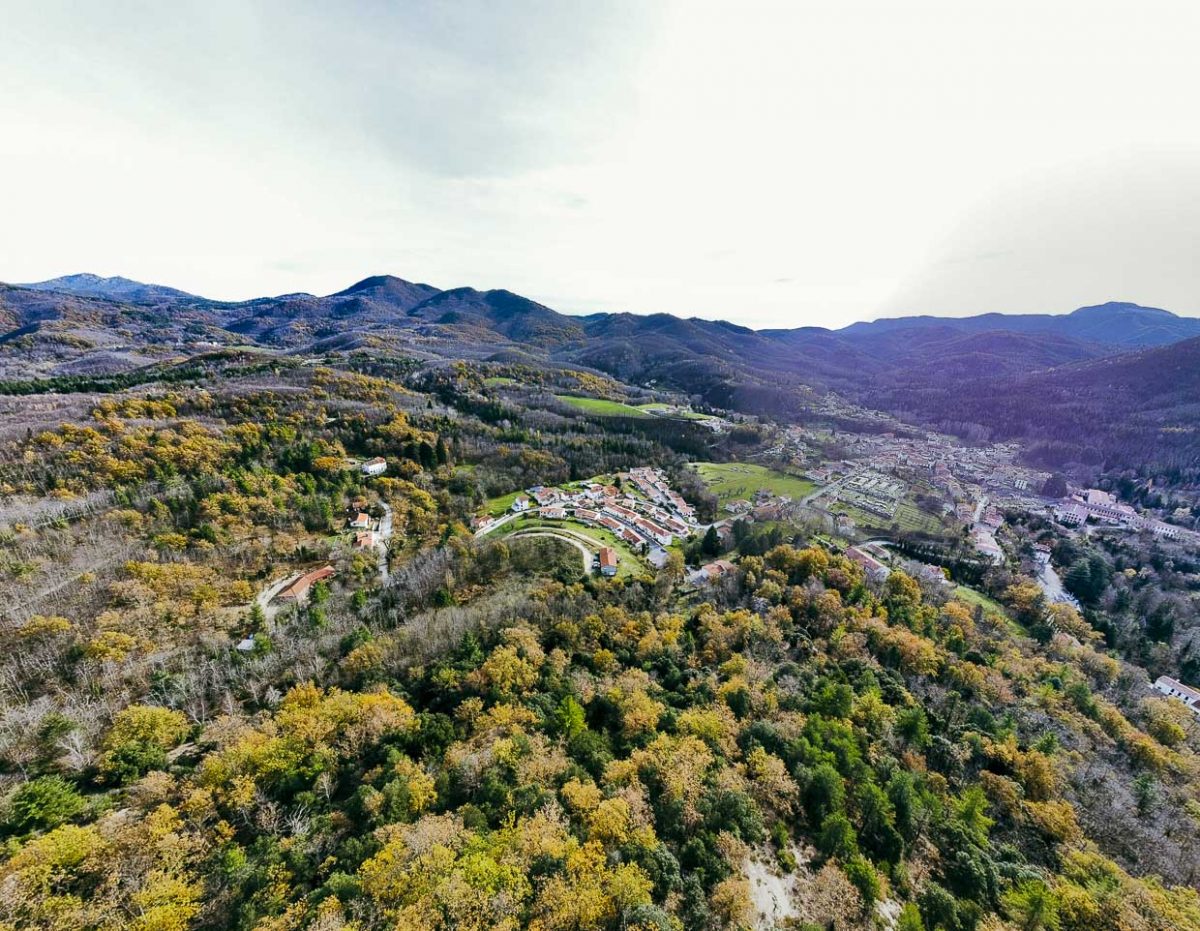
(477, 733)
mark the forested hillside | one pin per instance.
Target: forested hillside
(475, 733)
(1132, 411)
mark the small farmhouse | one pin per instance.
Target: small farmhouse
(376, 466)
(299, 589)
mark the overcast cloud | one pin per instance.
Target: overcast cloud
(777, 164)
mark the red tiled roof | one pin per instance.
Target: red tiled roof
(300, 587)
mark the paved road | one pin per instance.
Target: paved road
(511, 515)
(385, 534)
(584, 552)
(1051, 583)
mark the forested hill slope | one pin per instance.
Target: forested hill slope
(455, 733)
(1135, 409)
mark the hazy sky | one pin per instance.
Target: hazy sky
(777, 164)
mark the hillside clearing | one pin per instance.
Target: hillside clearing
(602, 407)
(731, 481)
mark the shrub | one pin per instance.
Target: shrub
(139, 740)
(863, 877)
(43, 804)
(837, 837)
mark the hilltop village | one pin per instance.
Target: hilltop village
(637, 510)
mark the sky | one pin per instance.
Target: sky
(776, 164)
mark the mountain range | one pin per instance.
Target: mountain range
(113, 289)
(952, 372)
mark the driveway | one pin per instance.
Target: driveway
(384, 535)
(263, 599)
(511, 515)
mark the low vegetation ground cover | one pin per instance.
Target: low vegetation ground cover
(629, 564)
(973, 597)
(731, 481)
(502, 504)
(602, 406)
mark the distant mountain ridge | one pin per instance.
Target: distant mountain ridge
(1114, 323)
(84, 323)
(114, 289)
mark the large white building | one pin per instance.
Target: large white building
(376, 466)
(1176, 689)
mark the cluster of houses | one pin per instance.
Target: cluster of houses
(653, 484)
(941, 459)
(654, 517)
(366, 530)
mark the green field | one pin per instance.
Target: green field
(972, 597)
(628, 564)
(497, 380)
(498, 506)
(730, 481)
(911, 517)
(602, 407)
(908, 517)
